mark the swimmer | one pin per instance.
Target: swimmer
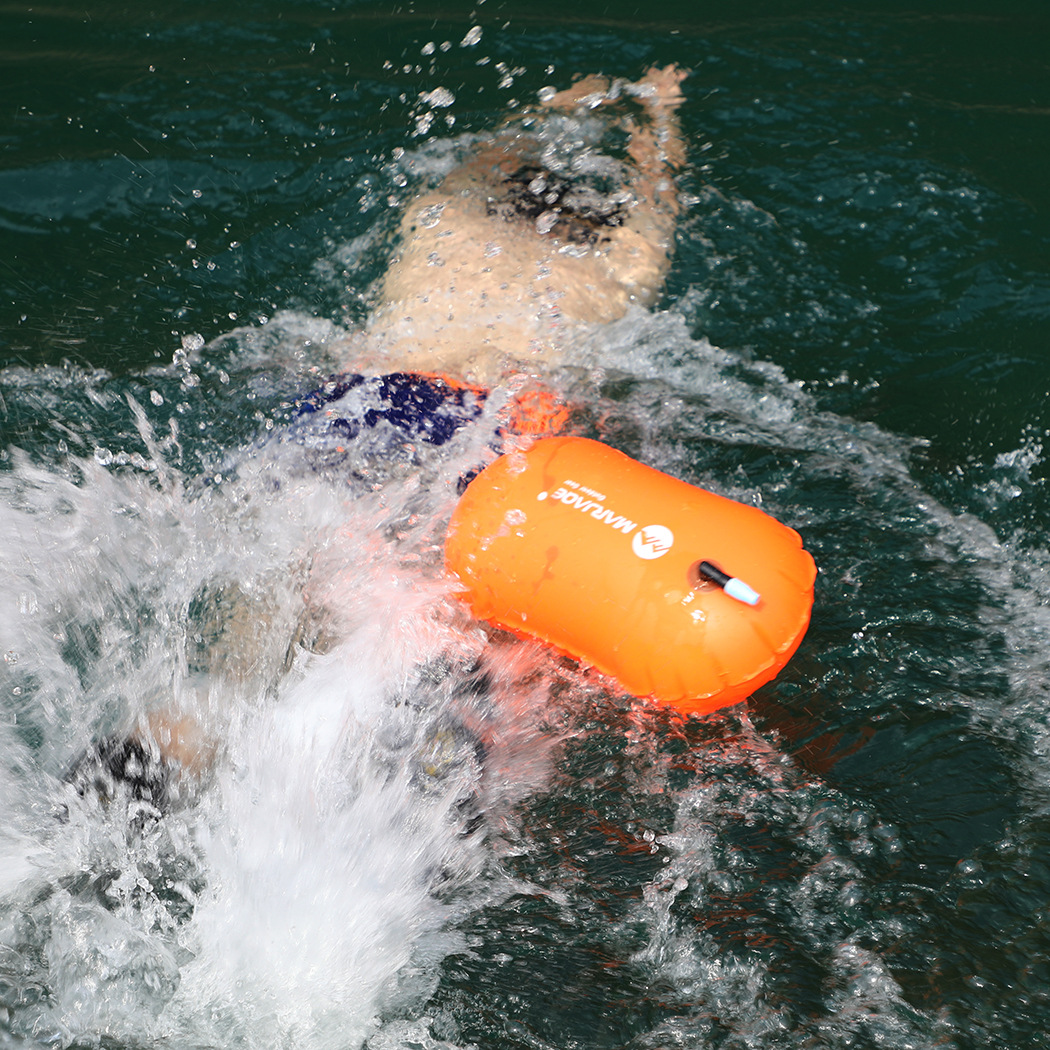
(518, 252)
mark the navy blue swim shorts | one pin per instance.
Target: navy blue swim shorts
(374, 423)
(424, 408)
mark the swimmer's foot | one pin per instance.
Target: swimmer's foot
(450, 766)
(127, 768)
(148, 769)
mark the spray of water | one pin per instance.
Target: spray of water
(307, 881)
(163, 551)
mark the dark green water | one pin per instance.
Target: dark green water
(855, 332)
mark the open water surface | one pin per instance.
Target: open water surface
(195, 202)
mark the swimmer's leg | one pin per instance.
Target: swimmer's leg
(234, 649)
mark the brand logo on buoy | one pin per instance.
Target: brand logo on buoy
(578, 500)
(653, 541)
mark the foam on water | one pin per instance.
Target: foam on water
(929, 607)
(308, 883)
(763, 920)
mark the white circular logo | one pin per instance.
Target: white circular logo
(653, 541)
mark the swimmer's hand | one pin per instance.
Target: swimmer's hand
(658, 89)
(589, 93)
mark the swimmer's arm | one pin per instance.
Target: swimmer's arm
(656, 145)
(638, 256)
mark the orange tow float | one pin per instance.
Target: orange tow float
(682, 595)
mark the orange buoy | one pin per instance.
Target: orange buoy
(682, 595)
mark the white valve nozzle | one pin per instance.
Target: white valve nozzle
(742, 592)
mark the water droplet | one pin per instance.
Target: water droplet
(429, 217)
(546, 222)
(517, 463)
(440, 98)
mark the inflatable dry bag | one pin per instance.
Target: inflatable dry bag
(682, 595)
